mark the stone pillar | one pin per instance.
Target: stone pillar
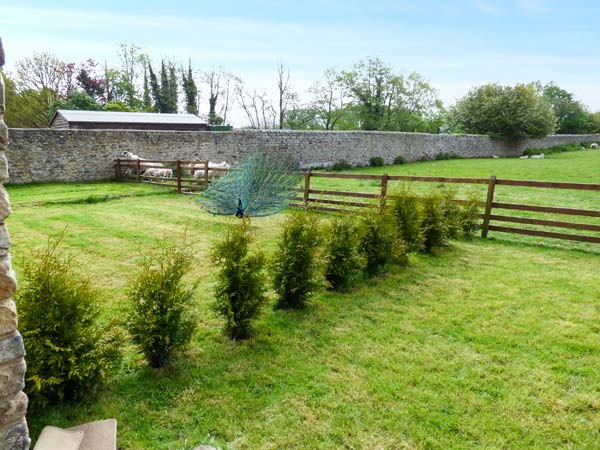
(13, 401)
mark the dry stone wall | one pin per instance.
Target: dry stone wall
(38, 155)
(13, 402)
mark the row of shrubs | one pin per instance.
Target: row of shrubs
(530, 151)
(378, 161)
(70, 353)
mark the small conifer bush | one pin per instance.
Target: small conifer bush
(470, 216)
(69, 354)
(453, 214)
(295, 263)
(405, 207)
(241, 283)
(160, 321)
(380, 242)
(434, 227)
(376, 161)
(342, 258)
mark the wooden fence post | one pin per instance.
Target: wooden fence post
(306, 188)
(118, 169)
(206, 173)
(138, 170)
(384, 187)
(179, 176)
(488, 206)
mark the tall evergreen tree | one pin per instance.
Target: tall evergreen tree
(165, 91)
(190, 90)
(155, 90)
(173, 100)
(146, 101)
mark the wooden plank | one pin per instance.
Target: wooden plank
(341, 202)
(344, 193)
(547, 209)
(488, 206)
(306, 186)
(440, 179)
(550, 185)
(354, 176)
(547, 223)
(548, 234)
(178, 176)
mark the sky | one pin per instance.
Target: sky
(456, 45)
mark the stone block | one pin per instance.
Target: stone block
(3, 167)
(12, 377)
(4, 240)
(99, 435)
(53, 438)
(11, 348)
(8, 280)
(12, 408)
(15, 436)
(8, 317)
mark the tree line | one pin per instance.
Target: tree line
(369, 96)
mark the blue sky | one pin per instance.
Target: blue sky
(456, 44)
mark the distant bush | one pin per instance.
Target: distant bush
(405, 208)
(342, 258)
(376, 161)
(340, 165)
(530, 151)
(399, 160)
(381, 242)
(241, 283)
(434, 226)
(295, 264)
(160, 320)
(444, 156)
(68, 353)
(453, 214)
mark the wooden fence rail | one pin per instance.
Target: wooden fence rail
(342, 201)
(337, 201)
(181, 171)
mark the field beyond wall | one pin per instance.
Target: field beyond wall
(489, 344)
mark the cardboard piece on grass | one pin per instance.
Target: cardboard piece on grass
(99, 435)
(53, 438)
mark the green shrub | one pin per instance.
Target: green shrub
(68, 353)
(241, 283)
(380, 242)
(340, 165)
(433, 225)
(399, 160)
(470, 215)
(562, 148)
(453, 214)
(445, 156)
(376, 161)
(342, 258)
(295, 264)
(160, 320)
(406, 209)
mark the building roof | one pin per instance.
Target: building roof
(128, 117)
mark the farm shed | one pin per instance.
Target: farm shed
(108, 120)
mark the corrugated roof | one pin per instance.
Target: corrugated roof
(128, 117)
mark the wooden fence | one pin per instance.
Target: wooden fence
(181, 171)
(345, 201)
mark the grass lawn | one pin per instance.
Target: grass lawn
(490, 344)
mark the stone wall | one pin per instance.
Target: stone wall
(38, 155)
(13, 401)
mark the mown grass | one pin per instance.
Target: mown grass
(488, 344)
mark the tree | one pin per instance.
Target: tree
(155, 90)
(286, 97)
(146, 100)
(27, 108)
(89, 80)
(388, 101)
(572, 117)
(78, 100)
(504, 112)
(132, 61)
(190, 90)
(328, 99)
(257, 106)
(222, 87)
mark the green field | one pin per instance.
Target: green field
(490, 344)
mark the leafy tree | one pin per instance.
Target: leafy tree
(146, 100)
(190, 90)
(328, 99)
(88, 79)
(27, 108)
(388, 101)
(504, 112)
(572, 117)
(78, 100)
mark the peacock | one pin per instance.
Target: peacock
(261, 185)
